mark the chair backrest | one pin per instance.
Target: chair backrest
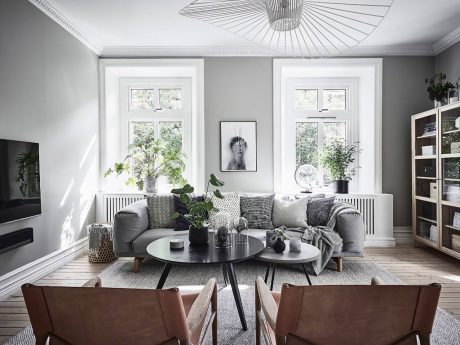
(106, 316)
(360, 314)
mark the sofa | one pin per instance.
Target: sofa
(133, 233)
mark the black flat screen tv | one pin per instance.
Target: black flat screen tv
(19, 180)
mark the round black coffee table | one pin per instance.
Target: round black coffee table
(206, 254)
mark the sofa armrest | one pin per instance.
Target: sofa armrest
(351, 228)
(128, 224)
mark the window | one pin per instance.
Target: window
(160, 108)
(318, 111)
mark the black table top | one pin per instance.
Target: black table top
(203, 254)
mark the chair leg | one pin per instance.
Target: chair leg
(258, 308)
(137, 264)
(339, 262)
(214, 310)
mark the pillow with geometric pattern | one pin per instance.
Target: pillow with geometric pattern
(258, 211)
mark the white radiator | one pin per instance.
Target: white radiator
(376, 210)
(109, 204)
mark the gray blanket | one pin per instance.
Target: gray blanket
(323, 237)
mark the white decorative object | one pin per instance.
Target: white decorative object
(457, 122)
(433, 190)
(176, 244)
(312, 28)
(456, 221)
(306, 176)
(295, 245)
(428, 150)
(455, 147)
(434, 233)
(453, 193)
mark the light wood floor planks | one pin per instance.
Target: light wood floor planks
(412, 265)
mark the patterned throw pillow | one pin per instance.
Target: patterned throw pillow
(291, 214)
(258, 211)
(230, 204)
(160, 210)
(318, 211)
(181, 222)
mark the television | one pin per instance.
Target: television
(19, 180)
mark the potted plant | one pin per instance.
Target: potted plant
(198, 211)
(437, 89)
(151, 159)
(279, 237)
(337, 159)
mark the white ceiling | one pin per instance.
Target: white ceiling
(155, 27)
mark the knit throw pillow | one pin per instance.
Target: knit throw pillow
(318, 211)
(230, 204)
(160, 210)
(258, 211)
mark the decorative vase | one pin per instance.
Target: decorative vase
(440, 103)
(279, 246)
(340, 186)
(268, 238)
(198, 236)
(150, 184)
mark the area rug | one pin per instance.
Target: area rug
(446, 329)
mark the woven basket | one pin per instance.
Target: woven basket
(105, 253)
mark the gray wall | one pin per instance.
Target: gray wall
(241, 89)
(404, 94)
(49, 95)
(448, 62)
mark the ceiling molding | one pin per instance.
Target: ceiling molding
(447, 41)
(147, 51)
(51, 11)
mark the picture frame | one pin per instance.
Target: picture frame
(238, 146)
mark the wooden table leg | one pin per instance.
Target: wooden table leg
(236, 293)
(164, 275)
(137, 264)
(339, 262)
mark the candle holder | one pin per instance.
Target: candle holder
(241, 227)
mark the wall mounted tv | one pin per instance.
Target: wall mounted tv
(19, 180)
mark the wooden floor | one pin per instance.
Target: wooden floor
(412, 265)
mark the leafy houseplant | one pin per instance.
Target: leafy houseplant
(151, 158)
(337, 158)
(279, 237)
(437, 88)
(198, 211)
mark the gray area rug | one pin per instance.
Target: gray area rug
(191, 278)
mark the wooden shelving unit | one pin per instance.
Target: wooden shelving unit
(436, 178)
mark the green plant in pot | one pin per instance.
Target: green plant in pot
(198, 210)
(151, 159)
(279, 237)
(437, 89)
(337, 158)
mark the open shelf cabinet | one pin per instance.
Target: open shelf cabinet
(436, 179)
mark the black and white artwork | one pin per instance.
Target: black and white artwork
(238, 145)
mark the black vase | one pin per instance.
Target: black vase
(198, 236)
(279, 246)
(340, 186)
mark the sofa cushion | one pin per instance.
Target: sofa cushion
(351, 228)
(161, 209)
(230, 204)
(291, 214)
(318, 211)
(143, 240)
(181, 222)
(258, 211)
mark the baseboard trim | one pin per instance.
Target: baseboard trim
(11, 282)
(384, 242)
(403, 235)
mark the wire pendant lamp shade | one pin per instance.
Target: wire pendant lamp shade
(295, 27)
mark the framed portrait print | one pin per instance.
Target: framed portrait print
(238, 146)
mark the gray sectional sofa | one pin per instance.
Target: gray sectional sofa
(132, 234)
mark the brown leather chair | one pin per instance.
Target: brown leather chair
(85, 315)
(346, 315)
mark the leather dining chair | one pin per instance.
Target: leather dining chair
(346, 314)
(95, 315)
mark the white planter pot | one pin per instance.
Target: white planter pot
(150, 184)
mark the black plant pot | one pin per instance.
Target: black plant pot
(198, 236)
(340, 186)
(279, 245)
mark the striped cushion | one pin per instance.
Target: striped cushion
(258, 211)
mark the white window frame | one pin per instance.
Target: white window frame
(368, 72)
(348, 116)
